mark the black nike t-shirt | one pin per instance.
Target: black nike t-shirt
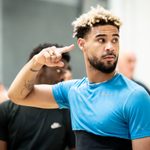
(29, 128)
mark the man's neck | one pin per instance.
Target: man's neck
(97, 76)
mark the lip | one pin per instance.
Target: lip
(109, 57)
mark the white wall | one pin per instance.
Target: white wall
(0, 40)
(26, 23)
(66, 2)
(135, 32)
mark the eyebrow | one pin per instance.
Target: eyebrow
(116, 35)
(102, 35)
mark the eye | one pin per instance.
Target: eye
(101, 40)
(115, 40)
(58, 71)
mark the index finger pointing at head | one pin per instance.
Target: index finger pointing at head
(66, 49)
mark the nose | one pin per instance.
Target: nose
(109, 46)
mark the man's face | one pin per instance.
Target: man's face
(52, 75)
(101, 48)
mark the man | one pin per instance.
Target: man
(126, 65)
(108, 110)
(37, 128)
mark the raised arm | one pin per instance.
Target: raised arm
(23, 90)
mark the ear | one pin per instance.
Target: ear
(81, 43)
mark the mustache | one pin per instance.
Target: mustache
(108, 53)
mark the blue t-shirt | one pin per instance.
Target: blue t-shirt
(118, 107)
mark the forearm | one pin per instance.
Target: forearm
(24, 81)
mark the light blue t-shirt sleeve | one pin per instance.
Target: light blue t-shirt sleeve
(137, 114)
(61, 92)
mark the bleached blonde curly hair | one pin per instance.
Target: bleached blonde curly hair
(96, 16)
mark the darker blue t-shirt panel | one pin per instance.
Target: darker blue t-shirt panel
(89, 141)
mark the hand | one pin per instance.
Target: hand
(51, 56)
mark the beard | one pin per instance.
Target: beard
(101, 66)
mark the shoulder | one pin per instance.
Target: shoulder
(143, 85)
(5, 104)
(8, 104)
(69, 84)
(127, 84)
(7, 107)
(137, 110)
(138, 101)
